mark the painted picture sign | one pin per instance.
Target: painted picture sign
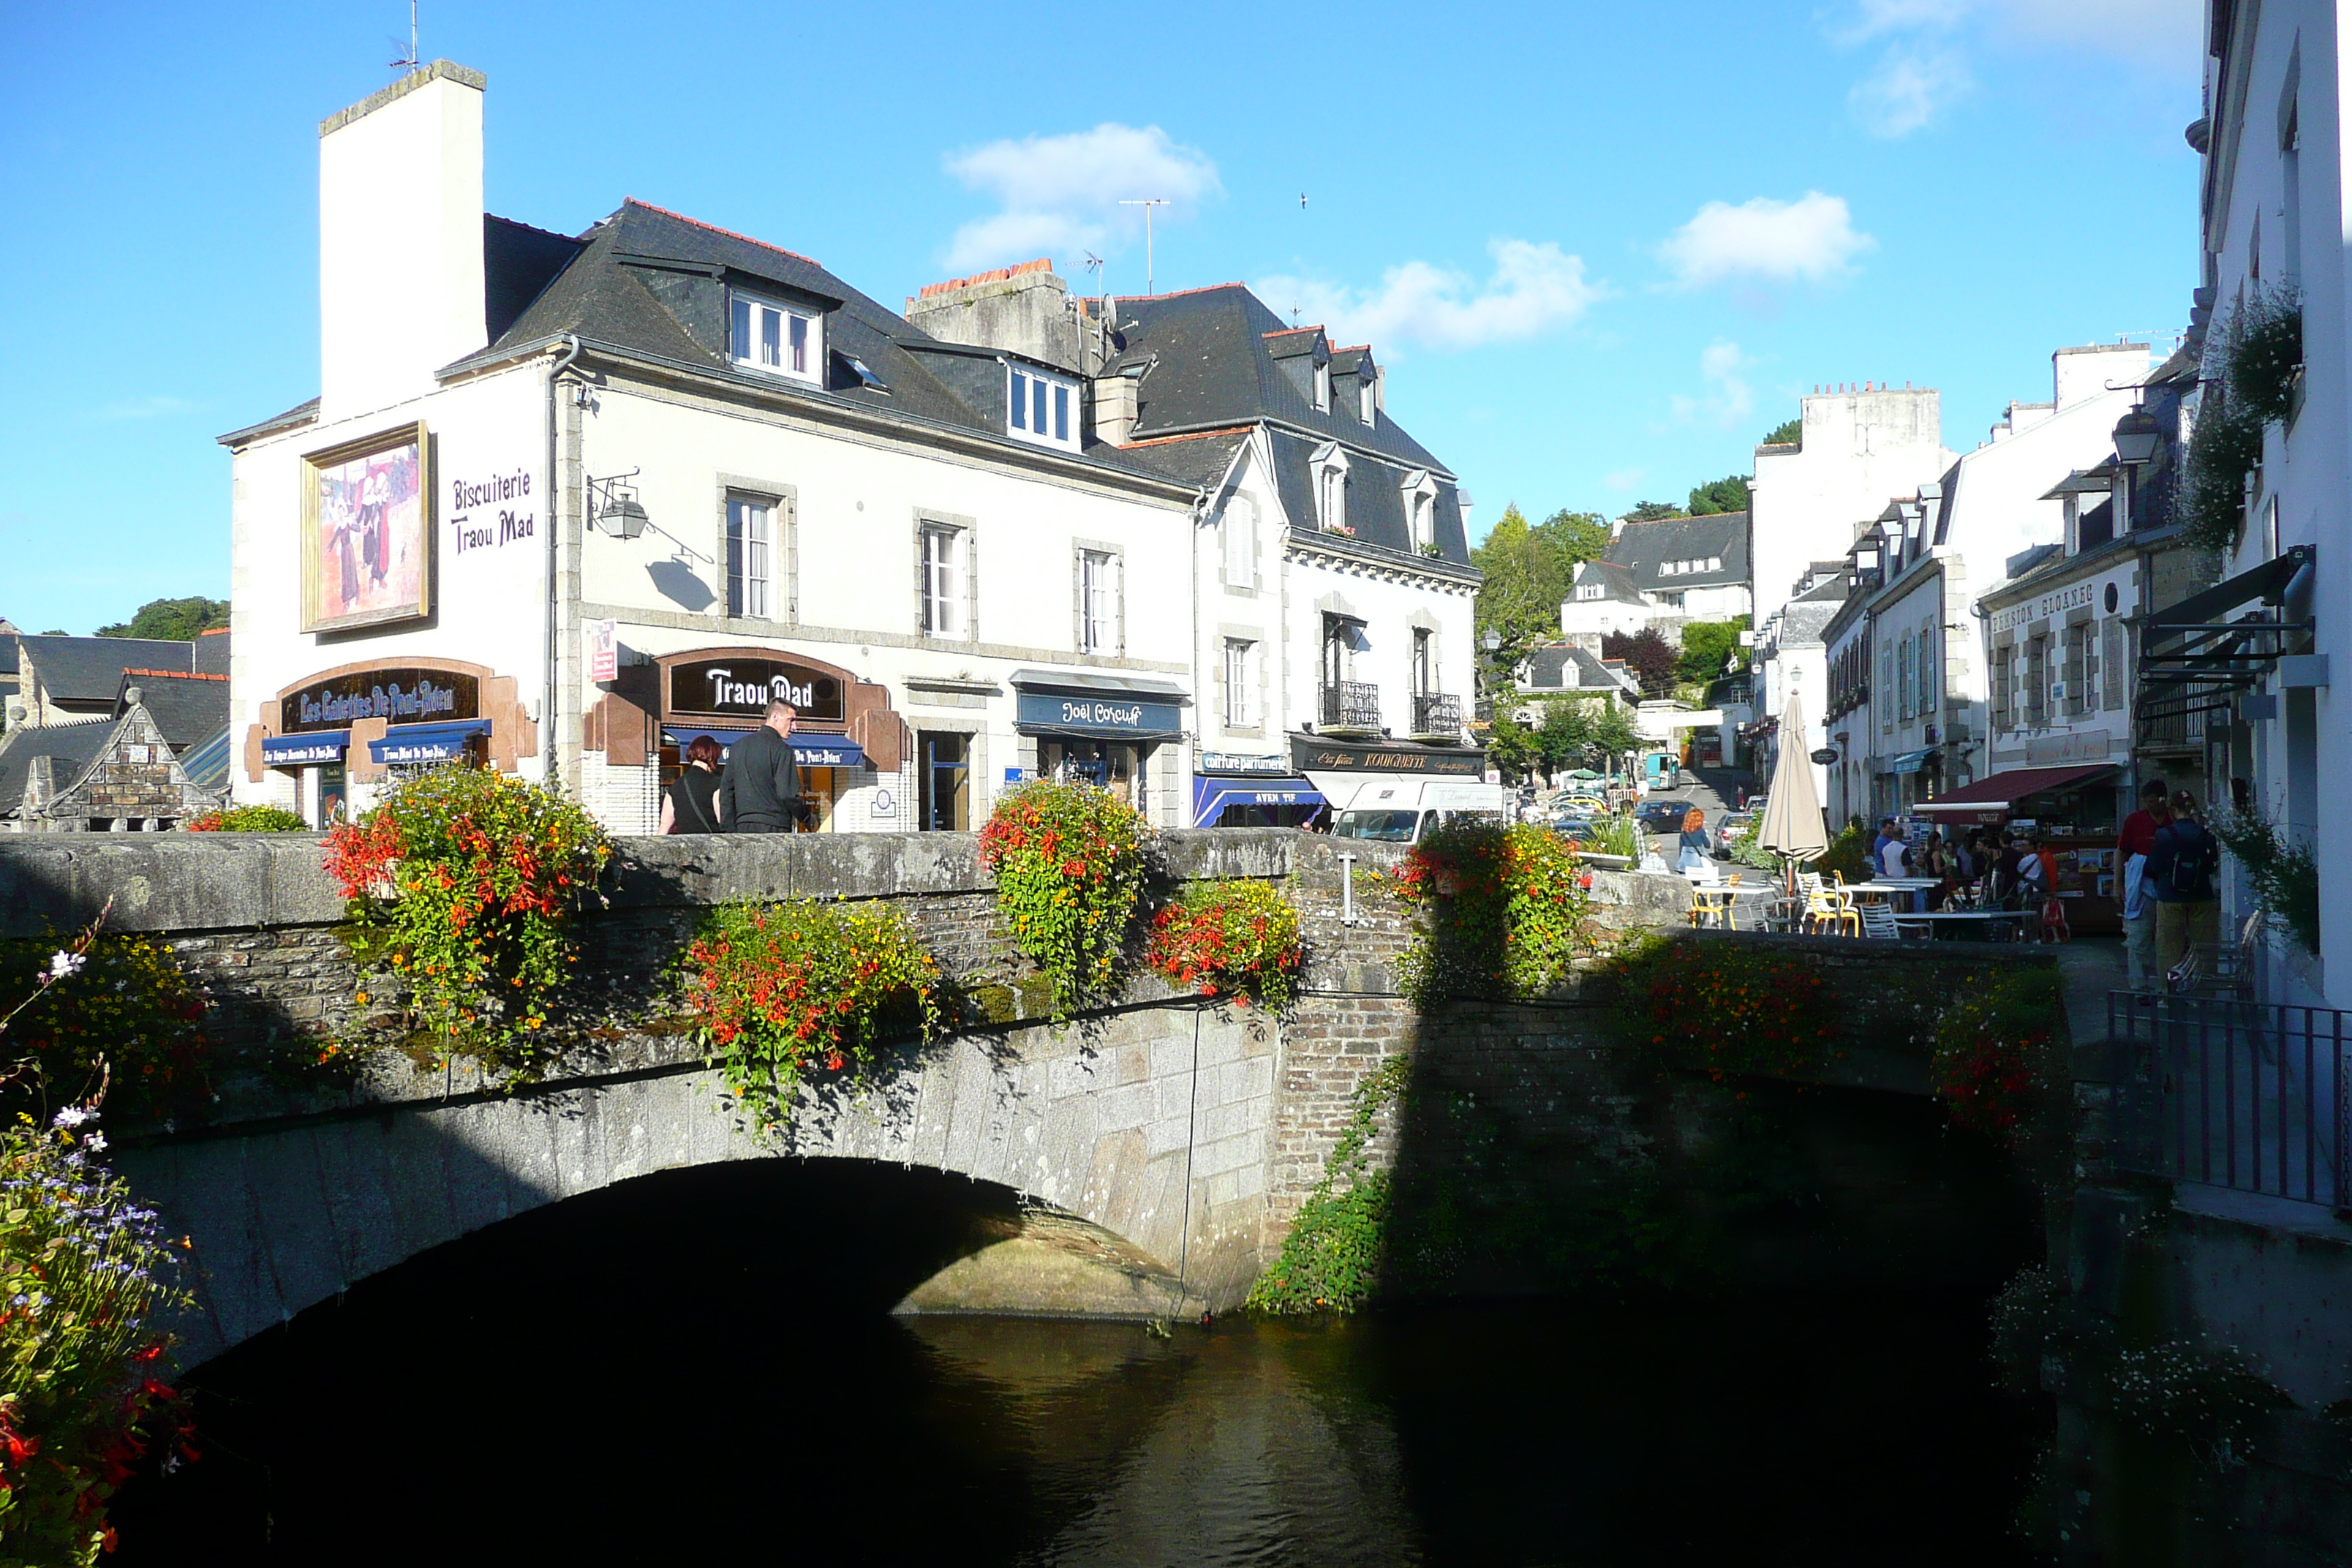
(396, 696)
(742, 688)
(367, 530)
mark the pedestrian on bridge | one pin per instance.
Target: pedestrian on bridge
(760, 791)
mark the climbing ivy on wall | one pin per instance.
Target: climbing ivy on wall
(1331, 1259)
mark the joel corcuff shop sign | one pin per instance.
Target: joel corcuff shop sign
(1105, 715)
(396, 696)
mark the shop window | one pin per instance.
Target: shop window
(1098, 602)
(944, 761)
(945, 550)
(770, 337)
(1241, 710)
(750, 556)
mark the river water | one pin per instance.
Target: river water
(684, 1373)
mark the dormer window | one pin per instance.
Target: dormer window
(1421, 511)
(776, 338)
(1323, 388)
(1331, 490)
(1039, 408)
(1367, 393)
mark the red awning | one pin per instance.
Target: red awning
(2002, 791)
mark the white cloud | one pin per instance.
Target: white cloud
(1811, 239)
(1062, 193)
(1728, 399)
(1877, 18)
(155, 407)
(1910, 88)
(1533, 289)
(1623, 480)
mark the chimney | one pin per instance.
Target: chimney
(1115, 407)
(400, 239)
(1023, 310)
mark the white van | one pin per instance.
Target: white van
(1402, 811)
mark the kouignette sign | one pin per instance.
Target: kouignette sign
(742, 688)
(1324, 756)
(398, 696)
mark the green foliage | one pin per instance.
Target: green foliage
(1616, 835)
(1653, 512)
(87, 1280)
(1512, 747)
(1069, 863)
(1748, 849)
(1992, 1047)
(1613, 732)
(1648, 655)
(2207, 1397)
(2285, 874)
(1721, 1008)
(1790, 433)
(172, 620)
(247, 819)
(1331, 1259)
(1505, 912)
(776, 987)
(2265, 352)
(114, 1011)
(1530, 569)
(463, 882)
(1715, 496)
(1709, 647)
(2224, 446)
(1848, 854)
(1236, 937)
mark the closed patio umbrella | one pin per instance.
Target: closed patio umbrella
(1792, 818)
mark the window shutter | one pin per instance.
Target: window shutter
(2112, 658)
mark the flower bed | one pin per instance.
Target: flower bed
(1237, 938)
(1504, 907)
(1722, 1008)
(1068, 861)
(462, 884)
(247, 819)
(86, 1277)
(85, 1011)
(779, 988)
(1990, 1050)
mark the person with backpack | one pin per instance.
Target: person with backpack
(2184, 867)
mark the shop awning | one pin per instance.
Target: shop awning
(312, 746)
(1911, 761)
(2003, 791)
(426, 743)
(2192, 644)
(810, 751)
(1211, 797)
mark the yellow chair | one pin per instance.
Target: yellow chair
(1829, 906)
(1712, 906)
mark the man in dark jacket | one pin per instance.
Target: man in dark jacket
(761, 790)
(2184, 864)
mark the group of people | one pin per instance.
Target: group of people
(2012, 870)
(2168, 866)
(756, 790)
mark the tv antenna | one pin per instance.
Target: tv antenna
(408, 62)
(1146, 204)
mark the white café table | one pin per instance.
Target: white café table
(1888, 887)
(2026, 921)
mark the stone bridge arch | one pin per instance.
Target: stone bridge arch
(1146, 1134)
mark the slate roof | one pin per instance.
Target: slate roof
(1618, 580)
(1643, 548)
(1200, 459)
(90, 670)
(211, 652)
(1564, 667)
(75, 746)
(186, 708)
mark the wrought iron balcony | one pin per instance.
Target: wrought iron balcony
(1436, 713)
(1351, 705)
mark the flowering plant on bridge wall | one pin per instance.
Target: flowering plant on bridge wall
(247, 819)
(1507, 911)
(1992, 1049)
(1723, 1008)
(463, 882)
(778, 988)
(86, 1279)
(1236, 938)
(81, 1010)
(1068, 861)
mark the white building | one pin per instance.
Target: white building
(1661, 575)
(566, 501)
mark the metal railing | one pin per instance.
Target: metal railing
(1436, 713)
(2249, 1095)
(1351, 705)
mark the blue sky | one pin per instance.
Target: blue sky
(1601, 249)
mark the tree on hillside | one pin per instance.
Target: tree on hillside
(1726, 494)
(172, 620)
(1530, 568)
(1565, 733)
(1614, 733)
(1709, 647)
(1652, 511)
(1648, 655)
(1792, 433)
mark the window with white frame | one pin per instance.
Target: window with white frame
(1240, 706)
(1241, 542)
(1323, 388)
(1097, 602)
(1039, 408)
(1368, 395)
(776, 338)
(945, 580)
(1421, 511)
(750, 556)
(1331, 490)
(1589, 590)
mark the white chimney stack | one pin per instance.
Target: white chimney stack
(400, 239)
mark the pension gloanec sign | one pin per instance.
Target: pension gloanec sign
(741, 689)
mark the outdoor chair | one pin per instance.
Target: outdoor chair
(1712, 906)
(1829, 906)
(1878, 921)
(2222, 969)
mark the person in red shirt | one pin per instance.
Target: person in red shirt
(2139, 900)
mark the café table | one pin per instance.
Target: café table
(2028, 921)
(1910, 887)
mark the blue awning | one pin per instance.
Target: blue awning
(812, 751)
(1911, 761)
(426, 743)
(315, 746)
(1211, 797)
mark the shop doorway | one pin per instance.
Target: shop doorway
(943, 758)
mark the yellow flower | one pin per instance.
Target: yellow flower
(360, 998)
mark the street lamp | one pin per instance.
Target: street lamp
(2137, 436)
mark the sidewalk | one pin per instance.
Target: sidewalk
(2089, 967)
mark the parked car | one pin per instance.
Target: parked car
(1575, 829)
(1662, 816)
(1728, 830)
